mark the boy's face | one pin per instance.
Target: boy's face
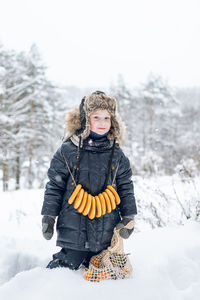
(100, 121)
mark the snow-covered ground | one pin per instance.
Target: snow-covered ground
(166, 261)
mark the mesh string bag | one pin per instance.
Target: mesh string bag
(111, 263)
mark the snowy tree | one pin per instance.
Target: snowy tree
(28, 111)
(150, 113)
(127, 105)
(7, 75)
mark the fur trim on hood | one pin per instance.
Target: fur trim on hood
(91, 103)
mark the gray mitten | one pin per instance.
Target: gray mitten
(48, 226)
(126, 226)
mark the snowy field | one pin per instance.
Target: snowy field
(166, 261)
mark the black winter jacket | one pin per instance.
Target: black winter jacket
(74, 230)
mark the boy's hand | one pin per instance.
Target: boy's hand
(126, 226)
(48, 226)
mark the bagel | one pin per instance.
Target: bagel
(74, 194)
(108, 204)
(78, 199)
(117, 198)
(112, 198)
(98, 207)
(88, 205)
(83, 203)
(92, 212)
(103, 204)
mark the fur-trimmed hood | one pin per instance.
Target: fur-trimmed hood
(78, 120)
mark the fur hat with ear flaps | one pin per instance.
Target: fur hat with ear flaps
(78, 121)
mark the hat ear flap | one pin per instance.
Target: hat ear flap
(82, 116)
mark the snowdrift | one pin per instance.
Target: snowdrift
(166, 261)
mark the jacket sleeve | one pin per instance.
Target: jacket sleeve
(125, 188)
(56, 186)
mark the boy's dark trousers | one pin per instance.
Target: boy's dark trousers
(71, 259)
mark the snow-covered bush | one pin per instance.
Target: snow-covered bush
(187, 168)
(151, 163)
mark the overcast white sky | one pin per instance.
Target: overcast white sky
(89, 42)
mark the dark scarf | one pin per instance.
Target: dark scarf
(95, 136)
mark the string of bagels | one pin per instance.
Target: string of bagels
(93, 206)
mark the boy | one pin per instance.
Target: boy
(91, 156)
